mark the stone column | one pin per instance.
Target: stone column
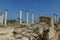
(39, 18)
(20, 16)
(55, 18)
(51, 30)
(2, 18)
(52, 22)
(27, 16)
(32, 18)
(6, 11)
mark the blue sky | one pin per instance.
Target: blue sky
(42, 7)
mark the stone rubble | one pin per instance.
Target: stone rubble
(35, 32)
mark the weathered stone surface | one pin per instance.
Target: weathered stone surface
(36, 32)
(6, 34)
(51, 32)
(25, 38)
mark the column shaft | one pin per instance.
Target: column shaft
(6, 17)
(27, 17)
(20, 16)
(32, 18)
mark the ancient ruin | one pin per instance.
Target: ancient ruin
(45, 29)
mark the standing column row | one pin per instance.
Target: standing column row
(55, 18)
(27, 17)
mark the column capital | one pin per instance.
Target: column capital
(6, 10)
(20, 9)
(26, 10)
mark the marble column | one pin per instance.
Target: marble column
(2, 18)
(52, 22)
(32, 18)
(6, 11)
(27, 16)
(55, 18)
(20, 16)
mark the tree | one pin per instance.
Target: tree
(18, 19)
(11, 21)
